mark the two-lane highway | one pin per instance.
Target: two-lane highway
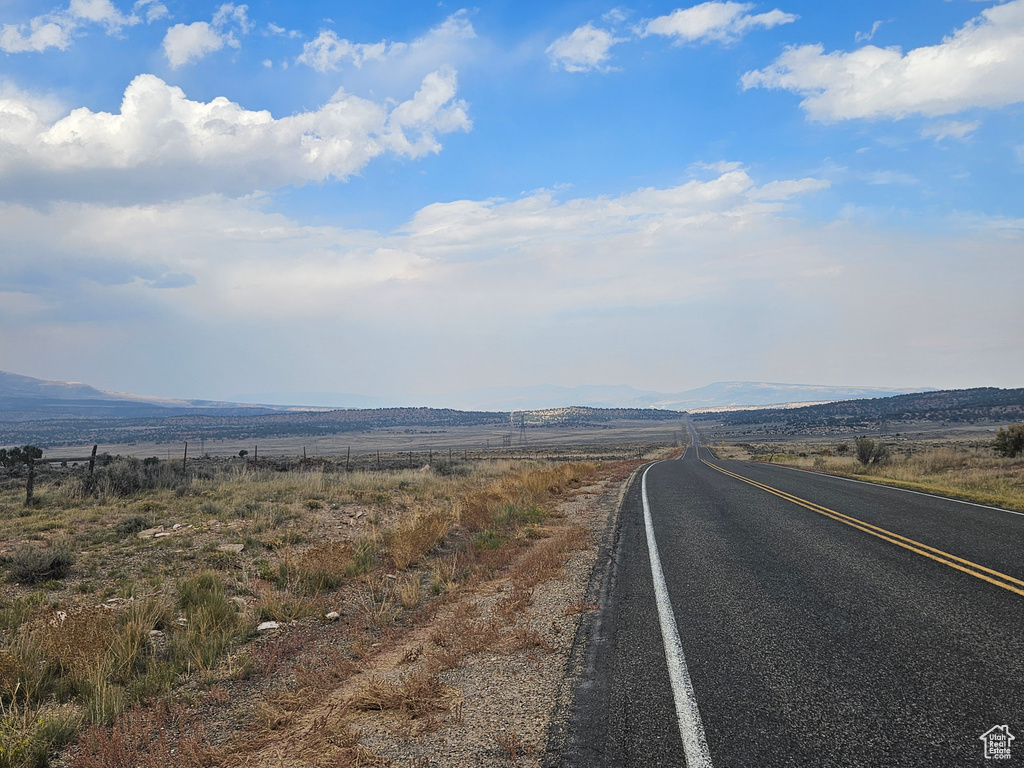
(820, 622)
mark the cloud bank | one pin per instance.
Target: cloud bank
(979, 65)
(722, 266)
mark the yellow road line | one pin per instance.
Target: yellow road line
(938, 555)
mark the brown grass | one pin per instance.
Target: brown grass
(306, 551)
(412, 695)
(156, 736)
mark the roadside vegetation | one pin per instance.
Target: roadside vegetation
(139, 595)
(984, 471)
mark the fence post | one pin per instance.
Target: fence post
(30, 485)
(184, 457)
(92, 459)
(348, 460)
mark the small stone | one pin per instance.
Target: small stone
(181, 621)
(267, 626)
(333, 616)
(236, 548)
(161, 535)
(239, 603)
(176, 526)
(149, 532)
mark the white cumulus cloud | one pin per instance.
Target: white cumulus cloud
(584, 49)
(979, 65)
(714, 21)
(190, 42)
(162, 143)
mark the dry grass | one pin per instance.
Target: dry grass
(145, 737)
(964, 469)
(413, 695)
(133, 618)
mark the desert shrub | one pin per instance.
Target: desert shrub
(447, 468)
(122, 477)
(868, 451)
(129, 526)
(1010, 441)
(29, 564)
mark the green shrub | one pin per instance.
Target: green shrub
(1010, 441)
(30, 564)
(129, 526)
(868, 451)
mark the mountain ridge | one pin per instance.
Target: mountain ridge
(33, 398)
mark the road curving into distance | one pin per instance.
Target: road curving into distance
(820, 622)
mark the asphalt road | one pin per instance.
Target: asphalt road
(808, 640)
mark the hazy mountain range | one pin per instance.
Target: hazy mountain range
(37, 398)
(721, 394)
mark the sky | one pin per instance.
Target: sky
(205, 199)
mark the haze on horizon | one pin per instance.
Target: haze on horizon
(201, 199)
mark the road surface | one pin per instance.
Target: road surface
(820, 622)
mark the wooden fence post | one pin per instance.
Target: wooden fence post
(378, 458)
(30, 485)
(348, 460)
(92, 459)
(184, 457)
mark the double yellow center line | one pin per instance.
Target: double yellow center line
(978, 571)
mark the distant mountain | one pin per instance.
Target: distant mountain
(23, 398)
(724, 394)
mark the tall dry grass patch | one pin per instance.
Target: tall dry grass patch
(416, 535)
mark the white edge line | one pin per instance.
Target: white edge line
(905, 490)
(695, 745)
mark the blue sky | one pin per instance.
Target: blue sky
(201, 199)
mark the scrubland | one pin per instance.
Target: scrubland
(963, 468)
(133, 600)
